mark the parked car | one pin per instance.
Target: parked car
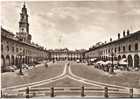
(136, 69)
(78, 61)
(9, 69)
(36, 62)
(25, 66)
(15, 67)
(46, 64)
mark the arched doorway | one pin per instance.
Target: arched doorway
(32, 59)
(2, 62)
(123, 56)
(23, 59)
(115, 58)
(119, 57)
(7, 62)
(29, 60)
(130, 61)
(16, 61)
(136, 61)
(12, 60)
(26, 59)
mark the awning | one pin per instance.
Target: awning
(115, 62)
(108, 62)
(93, 59)
(123, 61)
(100, 62)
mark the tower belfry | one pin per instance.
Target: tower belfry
(23, 33)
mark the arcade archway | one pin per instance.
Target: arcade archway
(123, 56)
(7, 61)
(136, 61)
(119, 57)
(130, 61)
(12, 60)
(2, 62)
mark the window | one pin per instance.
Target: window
(22, 30)
(7, 48)
(115, 50)
(119, 49)
(123, 48)
(24, 51)
(12, 49)
(129, 48)
(109, 51)
(2, 48)
(22, 16)
(136, 46)
(17, 50)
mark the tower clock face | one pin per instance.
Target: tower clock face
(24, 17)
(22, 30)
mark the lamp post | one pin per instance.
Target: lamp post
(24, 59)
(112, 65)
(20, 63)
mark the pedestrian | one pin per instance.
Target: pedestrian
(33, 64)
(46, 65)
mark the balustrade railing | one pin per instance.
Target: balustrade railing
(80, 91)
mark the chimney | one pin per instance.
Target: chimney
(118, 35)
(124, 33)
(128, 32)
(110, 39)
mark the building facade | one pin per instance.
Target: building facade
(18, 49)
(126, 47)
(65, 54)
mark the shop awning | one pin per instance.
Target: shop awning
(123, 61)
(100, 62)
(93, 59)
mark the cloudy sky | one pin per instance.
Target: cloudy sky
(73, 24)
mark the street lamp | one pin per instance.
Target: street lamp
(20, 63)
(23, 59)
(112, 65)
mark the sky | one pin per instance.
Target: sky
(73, 24)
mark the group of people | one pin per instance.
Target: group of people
(106, 68)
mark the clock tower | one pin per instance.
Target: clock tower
(23, 33)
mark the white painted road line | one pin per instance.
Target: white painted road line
(80, 80)
(67, 73)
(39, 82)
(94, 82)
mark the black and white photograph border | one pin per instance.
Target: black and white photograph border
(70, 49)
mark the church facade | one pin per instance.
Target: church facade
(18, 49)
